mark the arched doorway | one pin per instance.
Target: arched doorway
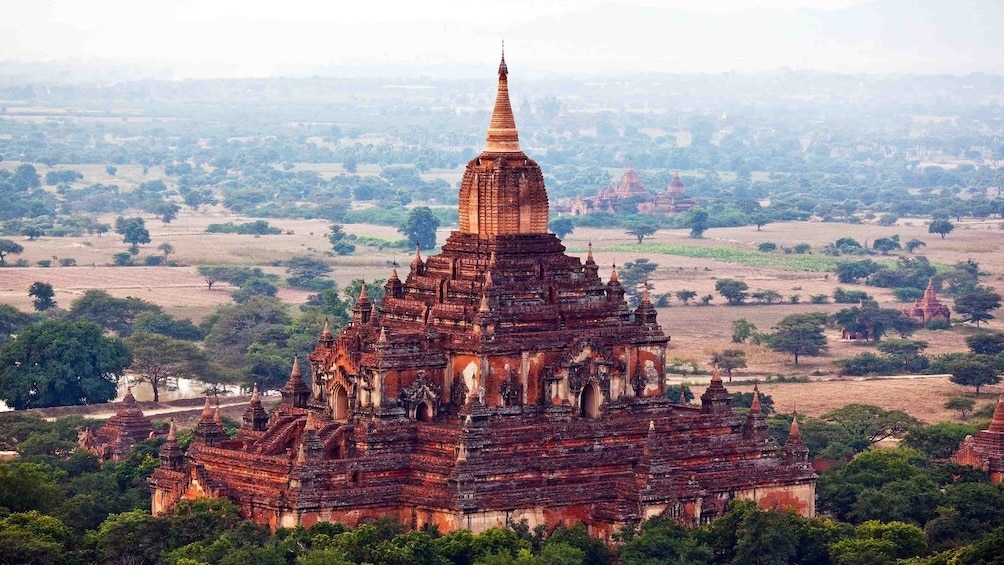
(423, 413)
(589, 402)
(340, 403)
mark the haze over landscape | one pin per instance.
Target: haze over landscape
(713, 283)
(452, 38)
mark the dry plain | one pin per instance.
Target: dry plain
(697, 331)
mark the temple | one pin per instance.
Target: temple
(928, 308)
(986, 450)
(502, 380)
(630, 195)
(114, 440)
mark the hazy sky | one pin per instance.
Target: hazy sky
(270, 37)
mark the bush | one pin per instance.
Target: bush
(841, 296)
(866, 364)
(938, 324)
(819, 299)
(45, 263)
(68, 262)
(907, 294)
(122, 258)
(153, 260)
(766, 247)
(803, 248)
(257, 227)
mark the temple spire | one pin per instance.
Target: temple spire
(997, 422)
(207, 410)
(502, 134)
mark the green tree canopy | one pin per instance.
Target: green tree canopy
(161, 360)
(941, 227)
(420, 227)
(974, 370)
(8, 247)
(42, 296)
(59, 363)
(561, 226)
(799, 334)
(115, 314)
(734, 291)
(976, 305)
(640, 228)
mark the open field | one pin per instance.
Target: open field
(683, 263)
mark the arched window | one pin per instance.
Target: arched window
(340, 403)
(589, 402)
(423, 413)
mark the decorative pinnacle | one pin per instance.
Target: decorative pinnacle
(172, 432)
(502, 134)
(589, 255)
(254, 395)
(645, 299)
(362, 294)
(326, 332)
(613, 274)
(417, 261)
(997, 421)
(383, 335)
(483, 308)
(295, 374)
(755, 405)
(715, 376)
(217, 417)
(794, 434)
(207, 410)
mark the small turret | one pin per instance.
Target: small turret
(171, 457)
(393, 286)
(327, 339)
(615, 292)
(645, 313)
(255, 417)
(755, 426)
(794, 451)
(295, 392)
(716, 399)
(363, 309)
(417, 265)
(209, 429)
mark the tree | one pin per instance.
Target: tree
(697, 221)
(742, 330)
(734, 291)
(255, 286)
(872, 422)
(987, 343)
(133, 232)
(32, 232)
(760, 218)
(729, 359)
(962, 404)
(635, 274)
(799, 334)
(420, 227)
(8, 247)
(913, 245)
(685, 295)
(166, 211)
(886, 244)
(975, 306)
(11, 322)
(42, 294)
(115, 314)
(974, 370)
(339, 243)
(59, 363)
(851, 271)
(641, 228)
(562, 226)
(161, 360)
(166, 249)
(941, 227)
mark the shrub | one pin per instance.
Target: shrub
(45, 263)
(122, 258)
(938, 324)
(841, 296)
(766, 247)
(907, 293)
(803, 248)
(153, 260)
(866, 364)
(819, 299)
(68, 262)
